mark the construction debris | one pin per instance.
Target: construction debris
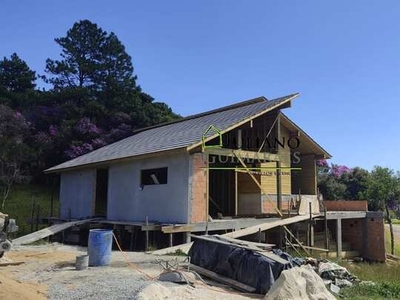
(249, 269)
(7, 226)
(331, 272)
(178, 276)
(299, 283)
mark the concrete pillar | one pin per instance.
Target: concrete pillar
(187, 237)
(339, 238)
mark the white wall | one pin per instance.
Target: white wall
(77, 193)
(163, 203)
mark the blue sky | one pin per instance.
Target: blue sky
(342, 56)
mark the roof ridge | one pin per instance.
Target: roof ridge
(206, 113)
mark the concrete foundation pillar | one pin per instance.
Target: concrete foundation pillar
(339, 238)
(187, 237)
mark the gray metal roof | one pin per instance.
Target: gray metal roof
(182, 133)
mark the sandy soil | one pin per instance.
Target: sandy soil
(48, 272)
(14, 290)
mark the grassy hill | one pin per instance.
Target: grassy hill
(19, 205)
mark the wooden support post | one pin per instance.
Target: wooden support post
(326, 229)
(132, 230)
(171, 240)
(37, 217)
(259, 235)
(239, 139)
(285, 239)
(33, 212)
(278, 165)
(296, 240)
(147, 233)
(293, 247)
(51, 203)
(236, 192)
(311, 227)
(279, 179)
(339, 238)
(278, 185)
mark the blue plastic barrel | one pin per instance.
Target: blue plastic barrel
(99, 247)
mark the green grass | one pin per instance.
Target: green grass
(388, 245)
(376, 272)
(386, 279)
(377, 291)
(396, 221)
(385, 276)
(19, 205)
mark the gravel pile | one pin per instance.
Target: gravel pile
(90, 286)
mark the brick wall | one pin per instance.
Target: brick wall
(268, 207)
(343, 205)
(366, 235)
(375, 230)
(352, 232)
(198, 188)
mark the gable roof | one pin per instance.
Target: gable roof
(308, 142)
(185, 132)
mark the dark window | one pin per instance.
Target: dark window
(154, 176)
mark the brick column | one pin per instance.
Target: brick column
(198, 188)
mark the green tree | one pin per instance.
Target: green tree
(15, 75)
(17, 83)
(93, 59)
(95, 74)
(14, 153)
(331, 187)
(384, 193)
(356, 183)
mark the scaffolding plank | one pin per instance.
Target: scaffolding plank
(43, 233)
(239, 233)
(266, 226)
(222, 279)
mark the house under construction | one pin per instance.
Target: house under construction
(239, 166)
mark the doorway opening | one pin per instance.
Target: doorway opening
(100, 207)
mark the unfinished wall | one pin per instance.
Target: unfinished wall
(269, 208)
(366, 235)
(375, 233)
(345, 205)
(352, 232)
(305, 180)
(198, 187)
(249, 194)
(268, 180)
(77, 193)
(163, 202)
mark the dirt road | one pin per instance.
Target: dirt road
(396, 231)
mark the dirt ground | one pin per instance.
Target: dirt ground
(48, 272)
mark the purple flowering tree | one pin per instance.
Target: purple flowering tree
(14, 130)
(338, 170)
